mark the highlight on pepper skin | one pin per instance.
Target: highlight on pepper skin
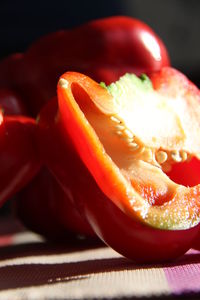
(87, 49)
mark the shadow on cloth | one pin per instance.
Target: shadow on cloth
(47, 248)
(37, 274)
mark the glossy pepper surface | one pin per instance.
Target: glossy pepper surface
(135, 213)
(19, 159)
(19, 156)
(41, 205)
(103, 49)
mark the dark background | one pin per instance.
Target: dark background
(177, 22)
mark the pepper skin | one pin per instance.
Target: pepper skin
(47, 211)
(19, 157)
(11, 103)
(127, 235)
(67, 213)
(41, 204)
(18, 165)
(43, 207)
(103, 49)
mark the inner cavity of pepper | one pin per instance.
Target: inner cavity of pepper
(140, 165)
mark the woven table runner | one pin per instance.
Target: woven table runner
(31, 268)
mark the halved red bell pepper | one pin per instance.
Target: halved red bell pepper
(119, 186)
(104, 49)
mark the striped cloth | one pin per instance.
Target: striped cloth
(31, 268)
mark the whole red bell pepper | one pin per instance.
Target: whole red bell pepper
(41, 204)
(132, 210)
(104, 49)
(18, 152)
(19, 157)
(18, 149)
(11, 103)
(43, 207)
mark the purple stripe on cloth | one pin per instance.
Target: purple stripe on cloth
(184, 276)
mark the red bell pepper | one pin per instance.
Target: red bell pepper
(104, 49)
(44, 208)
(132, 210)
(19, 159)
(41, 205)
(11, 103)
